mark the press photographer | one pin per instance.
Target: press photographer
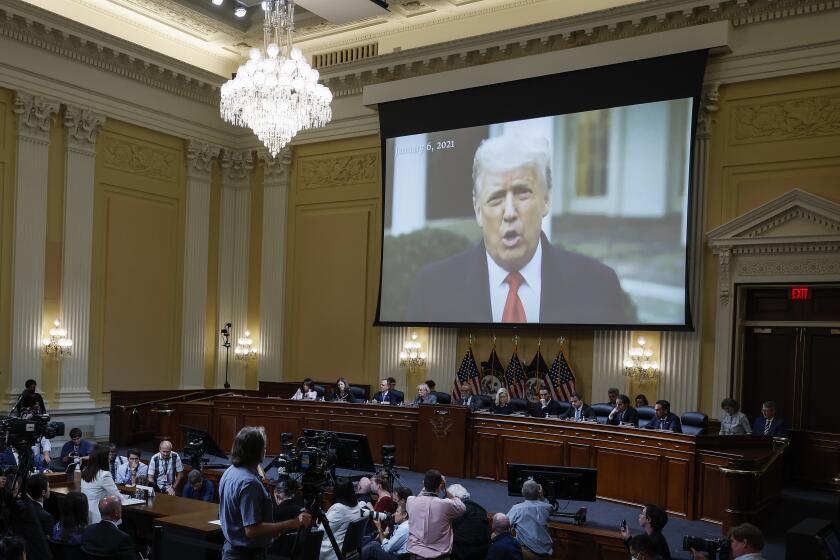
(245, 507)
(745, 542)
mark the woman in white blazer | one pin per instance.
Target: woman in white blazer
(97, 482)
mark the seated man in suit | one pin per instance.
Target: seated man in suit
(514, 274)
(623, 413)
(546, 406)
(768, 424)
(37, 492)
(579, 410)
(663, 418)
(105, 539)
(385, 395)
(467, 398)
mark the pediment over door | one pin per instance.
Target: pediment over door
(794, 239)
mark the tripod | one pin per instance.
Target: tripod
(314, 507)
(226, 343)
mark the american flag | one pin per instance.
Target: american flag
(467, 373)
(515, 377)
(560, 379)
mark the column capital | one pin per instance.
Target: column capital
(708, 107)
(82, 126)
(236, 168)
(35, 115)
(276, 168)
(200, 156)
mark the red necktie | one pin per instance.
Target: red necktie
(514, 311)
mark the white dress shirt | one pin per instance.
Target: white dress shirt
(529, 291)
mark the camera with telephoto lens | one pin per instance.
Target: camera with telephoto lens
(717, 549)
(25, 432)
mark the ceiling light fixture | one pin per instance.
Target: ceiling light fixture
(218, 2)
(240, 12)
(276, 93)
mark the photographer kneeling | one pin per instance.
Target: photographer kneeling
(245, 508)
(745, 542)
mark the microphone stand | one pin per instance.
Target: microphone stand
(226, 344)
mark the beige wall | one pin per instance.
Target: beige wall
(769, 137)
(332, 263)
(139, 204)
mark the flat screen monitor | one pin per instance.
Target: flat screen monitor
(352, 450)
(558, 483)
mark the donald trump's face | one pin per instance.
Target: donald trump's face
(509, 206)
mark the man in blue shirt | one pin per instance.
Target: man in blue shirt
(502, 544)
(77, 450)
(198, 487)
(245, 508)
(530, 521)
(389, 547)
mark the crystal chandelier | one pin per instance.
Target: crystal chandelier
(244, 348)
(57, 346)
(641, 363)
(276, 93)
(412, 356)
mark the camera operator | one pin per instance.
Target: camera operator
(245, 508)
(288, 499)
(30, 399)
(391, 542)
(745, 540)
(652, 519)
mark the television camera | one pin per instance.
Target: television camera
(717, 549)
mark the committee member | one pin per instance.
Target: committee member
(198, 487)
(97, 481)
(502, 544)
(768, 424)
(663, 418)
(546, 406)
(471, 529)
(733, 422)
(30, 400)
(246, 513)
(641, 400)
(430, 518)
(612, 395)
(467, 398)
(73, 519)
(133, 471)
(652, 519)
(746, 542)
(342, 392)
(529, 520)
(104, 539)
(424, 396)
(306, 391)
(387, 394)
(579, 410)
(166, 471)
(501, 403)
(623, 413)
(77, 450)
(514, 274)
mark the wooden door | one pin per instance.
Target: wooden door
(769, 370)
(821, 384)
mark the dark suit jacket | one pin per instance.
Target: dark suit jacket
(778, 428)
(540, 411)
(393, 398)
(670, 422)
(472, 406)
(575, 289)
(471, 533)
(105, 539)
(586, 413)
(26, 525)
(502, 409)
(504, 547)
(630, 415)
(43, 516)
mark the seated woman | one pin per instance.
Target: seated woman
(342, 391)
(733, 422)
(641, 400)
(344, 510)
(73, 520)
(306, 391)
(502, 402)
(424, 395)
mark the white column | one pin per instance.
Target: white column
(233, 257)
(442, 362)
(82, 127)
(34, 116)
(273, 259)
(609, 351)
(200, 158)
(680, 351)
(391, 341)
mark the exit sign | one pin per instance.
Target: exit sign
(800, 293)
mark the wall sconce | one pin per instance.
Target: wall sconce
(244, 348)
(57, 346)
(640, 364)
(411, 356)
